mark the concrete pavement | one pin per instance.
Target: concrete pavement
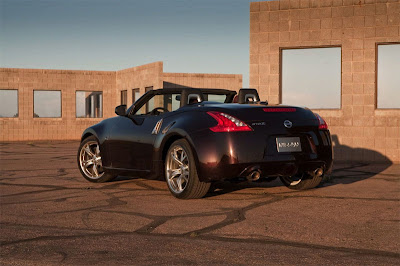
(50, 215)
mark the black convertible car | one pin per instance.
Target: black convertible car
(193, 137)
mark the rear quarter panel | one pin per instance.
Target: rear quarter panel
(176, 126)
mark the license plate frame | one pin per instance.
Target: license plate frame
(288, 144)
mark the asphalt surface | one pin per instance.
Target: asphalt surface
(51, 215)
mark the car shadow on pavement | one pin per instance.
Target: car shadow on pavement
(345, 170)
(348, 171)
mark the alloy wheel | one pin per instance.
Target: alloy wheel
(177, 169)
(90, 160)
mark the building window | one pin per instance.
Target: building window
(135, 95)
(89, 104)
(311, 77)
(388, 69)
(150, 104)
(124, 97)
(8, 103)
(46, 103)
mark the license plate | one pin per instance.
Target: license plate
(288, 144)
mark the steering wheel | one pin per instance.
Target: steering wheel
(156, 111)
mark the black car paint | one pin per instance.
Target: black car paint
(128, 146)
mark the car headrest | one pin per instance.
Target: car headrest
(248, 96)
(191, 96)
(235, 99)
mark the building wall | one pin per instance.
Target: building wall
(361, 131)
(139, 77)
(26, 127)
(111, 83)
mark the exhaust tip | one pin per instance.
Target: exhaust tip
(254, 175)
(319, 172)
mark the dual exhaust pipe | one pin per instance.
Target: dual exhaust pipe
(254, 175)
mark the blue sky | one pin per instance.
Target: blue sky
(210, 36)
(204, 36)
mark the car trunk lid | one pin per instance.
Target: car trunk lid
(279, 116)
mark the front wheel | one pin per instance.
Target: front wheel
(90, 163)
(181, 173)
(301, 181)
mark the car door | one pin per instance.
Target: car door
(130, 142)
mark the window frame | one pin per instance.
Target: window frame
(147, 89)
(48, 117)
(126, 98)
(313, 47)
(376, 77)
(13, 117)
(102, 105)
(133, 94)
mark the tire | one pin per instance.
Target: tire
(89, 161)
(181, 173)
(302, 181)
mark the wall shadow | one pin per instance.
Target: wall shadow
(170, 85)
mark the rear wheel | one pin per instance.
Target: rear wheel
(302, 181)
(90, 163)
(181, 173)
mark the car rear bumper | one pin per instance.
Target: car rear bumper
(228, 155)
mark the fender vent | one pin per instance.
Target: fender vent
(157, 127)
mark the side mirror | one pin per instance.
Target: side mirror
(121, 110)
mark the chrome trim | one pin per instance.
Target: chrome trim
(157, 127)
(287, 123)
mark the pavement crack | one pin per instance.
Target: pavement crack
(147, 229)
(234, 216)
(302, 245)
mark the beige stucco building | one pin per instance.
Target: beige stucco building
(362, 132)
(116, 87)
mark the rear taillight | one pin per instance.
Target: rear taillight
(322, 124)
(279, 110)
(227, 123)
